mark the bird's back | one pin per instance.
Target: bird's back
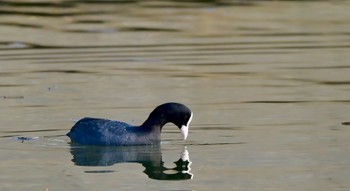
(95, 131)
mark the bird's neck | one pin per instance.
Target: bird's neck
(153, 123)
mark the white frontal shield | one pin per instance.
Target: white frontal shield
(184, 128)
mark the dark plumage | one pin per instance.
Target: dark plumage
(94, 131)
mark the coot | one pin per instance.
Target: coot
(95, 131)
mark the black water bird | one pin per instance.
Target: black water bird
(95, 131)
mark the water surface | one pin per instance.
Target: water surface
(268, 82)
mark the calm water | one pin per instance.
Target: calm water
(268, 82)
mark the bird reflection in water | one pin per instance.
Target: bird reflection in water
(149, 156)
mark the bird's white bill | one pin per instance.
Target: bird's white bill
(184, 131)
(184, 128)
